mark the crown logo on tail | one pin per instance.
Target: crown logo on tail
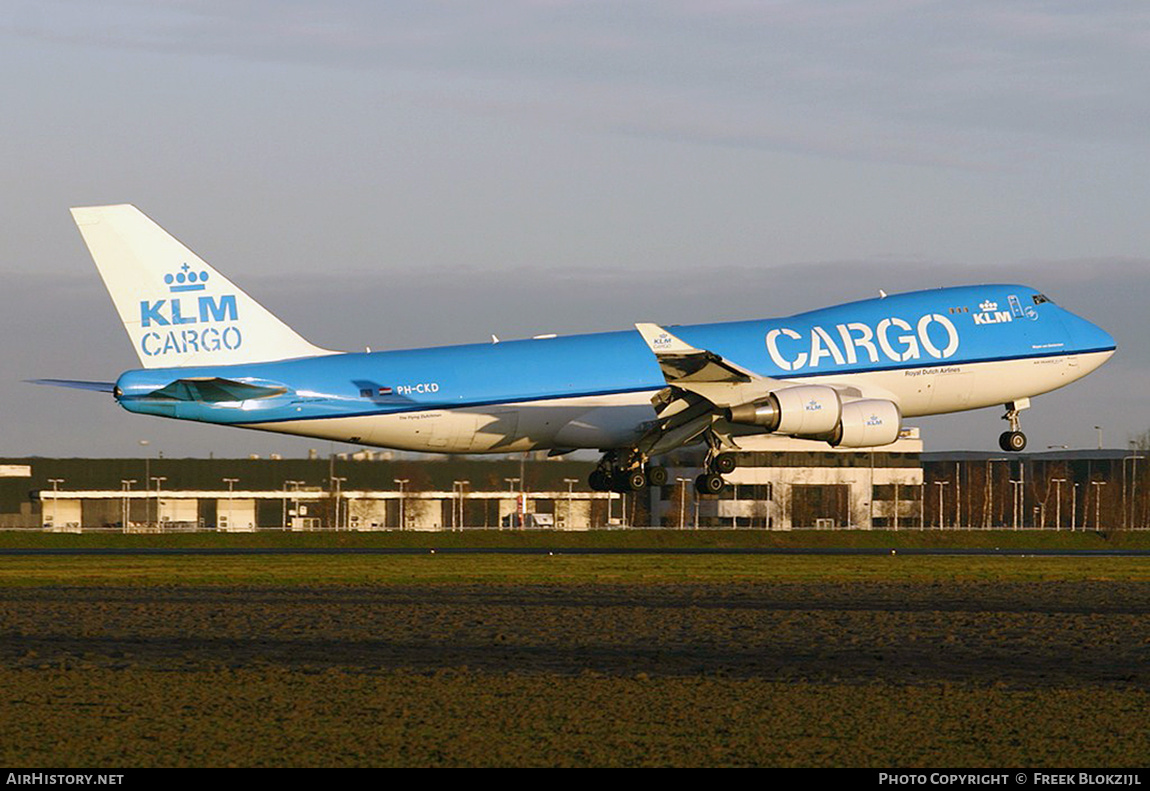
(186, 280)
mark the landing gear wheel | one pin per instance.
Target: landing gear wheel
(635, 480)
(724, 463)
(709, 483)
(599, 481)
(657, 476)
(1012, 441)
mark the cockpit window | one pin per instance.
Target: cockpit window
(1039, 298)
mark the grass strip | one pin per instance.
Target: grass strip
(279, 570)
(606, 539)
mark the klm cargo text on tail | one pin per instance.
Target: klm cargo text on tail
(221, 313)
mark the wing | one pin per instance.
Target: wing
(719, 399)
(701, 387)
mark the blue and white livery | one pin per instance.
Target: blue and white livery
(847, 375)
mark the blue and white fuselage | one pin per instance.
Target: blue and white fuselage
(846, 375)
(930, 352)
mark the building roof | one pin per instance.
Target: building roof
(1068, 455)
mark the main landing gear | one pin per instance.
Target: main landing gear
(625, 471)
(718, 465)
(1014, 440)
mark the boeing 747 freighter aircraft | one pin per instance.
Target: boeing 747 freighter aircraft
(846, 375)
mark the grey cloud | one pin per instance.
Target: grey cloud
(967, 85)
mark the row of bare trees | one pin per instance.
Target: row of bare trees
(1007, 493)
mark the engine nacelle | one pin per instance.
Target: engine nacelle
(867, 423)
(802, 410)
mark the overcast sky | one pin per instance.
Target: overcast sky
(419, 173)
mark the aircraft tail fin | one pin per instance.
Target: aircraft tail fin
(178, 310)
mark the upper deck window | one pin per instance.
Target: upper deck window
(1039, 298)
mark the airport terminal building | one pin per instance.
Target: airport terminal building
(779, 484)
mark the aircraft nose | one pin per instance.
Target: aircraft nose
(1089, 337)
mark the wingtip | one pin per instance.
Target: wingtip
(662, 342)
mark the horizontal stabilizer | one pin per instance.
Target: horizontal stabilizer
(99, 387)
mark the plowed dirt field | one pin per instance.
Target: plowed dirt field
(975, 673)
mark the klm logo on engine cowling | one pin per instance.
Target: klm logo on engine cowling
(171, 317)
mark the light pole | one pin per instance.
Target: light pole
(296, 485)
(511, 490)
(126, 509)
(1097, 501)
(402, 500)
(144, 443)
(158, 479)
(870, 496)
(230, 482)
(570, 489)
(1099, 430)
(457, 489)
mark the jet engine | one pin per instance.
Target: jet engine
(802, 410)
(867, 423)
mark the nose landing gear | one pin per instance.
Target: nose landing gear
(1014, 441)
